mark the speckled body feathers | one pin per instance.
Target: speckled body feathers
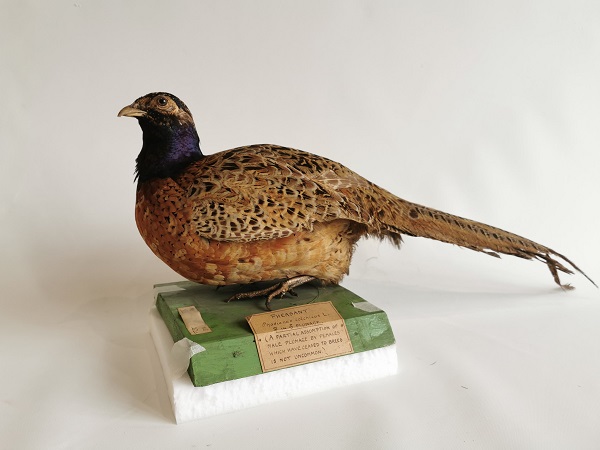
(248, 214)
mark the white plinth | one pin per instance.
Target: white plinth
(191, 403)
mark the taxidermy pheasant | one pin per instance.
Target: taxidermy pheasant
(265, 212)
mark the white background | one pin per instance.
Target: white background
(489, 110)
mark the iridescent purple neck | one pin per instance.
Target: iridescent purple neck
(167, 150)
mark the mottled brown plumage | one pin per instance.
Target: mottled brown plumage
(265, 212)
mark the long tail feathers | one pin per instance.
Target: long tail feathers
(401, 217)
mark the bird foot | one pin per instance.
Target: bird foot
(277, 290)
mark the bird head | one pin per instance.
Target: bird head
(169, 134)
(159, 109)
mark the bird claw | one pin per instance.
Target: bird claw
(277, 290)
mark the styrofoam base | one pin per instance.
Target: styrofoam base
(191, 403)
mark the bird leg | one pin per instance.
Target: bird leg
(279, 289)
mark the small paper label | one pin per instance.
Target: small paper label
(193, 320)
(298, 335)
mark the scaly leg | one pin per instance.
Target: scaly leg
(279, 289)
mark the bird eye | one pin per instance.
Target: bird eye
(162, 101)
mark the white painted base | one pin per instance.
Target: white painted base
(191, 403)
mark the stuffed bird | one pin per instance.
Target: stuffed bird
(266, 212)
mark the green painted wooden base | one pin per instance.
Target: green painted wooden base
(230, 351)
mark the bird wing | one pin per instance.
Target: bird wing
(265, 192)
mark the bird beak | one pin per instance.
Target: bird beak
(130, 111)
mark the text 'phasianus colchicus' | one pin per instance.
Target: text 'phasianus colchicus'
(266, 212)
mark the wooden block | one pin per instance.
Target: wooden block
(229, 349)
